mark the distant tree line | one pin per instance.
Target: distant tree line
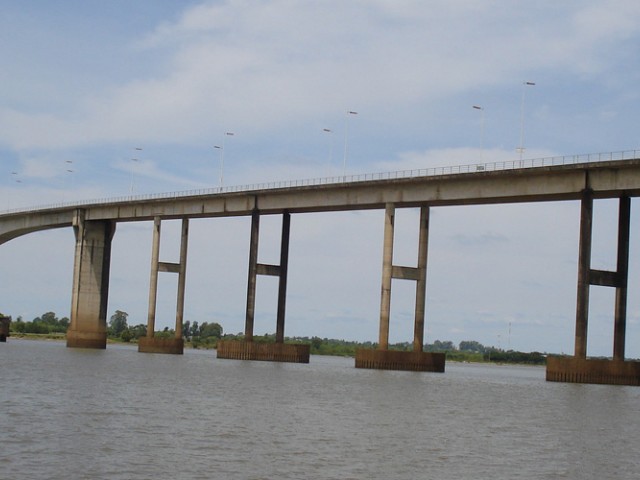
(47, 323)
(468, 350)
(203, 335)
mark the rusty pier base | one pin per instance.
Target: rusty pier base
(593, 370)
(395, 360)
(174, 346)
(271, 352)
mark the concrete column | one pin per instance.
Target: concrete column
(421, 283)
(88, 327)
(387, 270)
(153, 283)
(182, 277)
(253, 273)
(584, 268)
(282, 288)
(620, 322)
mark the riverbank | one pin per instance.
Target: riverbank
(337, 348)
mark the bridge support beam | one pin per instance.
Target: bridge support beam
(175, 345)
(88, 327)
(247, 349)
(579, 368)
(383, 358)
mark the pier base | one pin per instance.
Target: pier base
(174, 346)
(600, 371)
(79, 339)
(271, 352)
(395, 360)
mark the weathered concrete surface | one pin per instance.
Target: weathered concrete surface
(174, 346)
(395, 360)
(591, 370)
(4, 328)
(272, 352)
(88, 326)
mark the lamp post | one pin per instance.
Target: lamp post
(329, 131)
(136, 149)
(17, 180)
(221, 149)
(478, 107)
(346, 141)
(69, 171)
(520, 149)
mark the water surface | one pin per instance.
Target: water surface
(119, 414)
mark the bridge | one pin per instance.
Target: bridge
(586, 178)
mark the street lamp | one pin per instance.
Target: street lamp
(520, 149)
(478, 107)
(136, 149)
(328, 130)
(70, 171)
(346, 140)
(221, 148)
(17, 180)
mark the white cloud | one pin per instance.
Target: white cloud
(265, 66)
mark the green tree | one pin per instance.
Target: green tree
(126, 335)
(210, 330)
(195, 330)
(118, 323)
(471, 346)
(138, 331)
(186, 329)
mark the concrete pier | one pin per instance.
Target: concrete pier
(271, 352)
(151, 344)
(579, 368)
(279, 351)
(383, 358)
(395, 360)
(88, 327)
(593, 370)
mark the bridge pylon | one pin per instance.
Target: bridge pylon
(382, 358)
(150, 343)
(247, 349)
(580, 368)
(92, 262)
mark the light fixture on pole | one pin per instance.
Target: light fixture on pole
(70, 171)
(136, 149)
(478, 107)
(221, 149)
(329, 131)
(520, 149)
(346, 141)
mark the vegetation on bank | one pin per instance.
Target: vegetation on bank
(207, 335)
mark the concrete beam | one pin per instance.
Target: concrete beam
(564, 182)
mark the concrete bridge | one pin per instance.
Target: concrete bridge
(585, 178)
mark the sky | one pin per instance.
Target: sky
(107, 99)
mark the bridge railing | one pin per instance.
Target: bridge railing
(364, 177)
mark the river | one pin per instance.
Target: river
(119, 414)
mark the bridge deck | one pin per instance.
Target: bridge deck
(608, 179)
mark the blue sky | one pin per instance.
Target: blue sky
(85, 83)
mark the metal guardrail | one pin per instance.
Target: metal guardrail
(366, 177)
